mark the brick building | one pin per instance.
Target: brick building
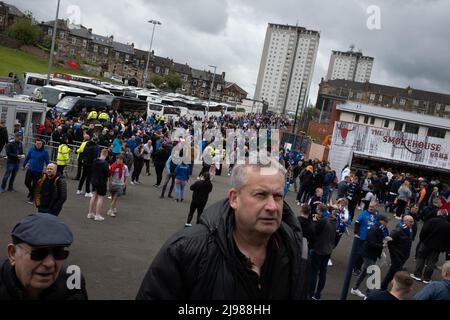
(233, 93)
(334, 92)
(9, 14)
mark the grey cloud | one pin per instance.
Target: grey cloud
(410, 49)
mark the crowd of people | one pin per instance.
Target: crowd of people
(239, 245)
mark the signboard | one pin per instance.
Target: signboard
(390, 144)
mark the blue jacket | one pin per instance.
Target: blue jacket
(365, 221)
(182, 172)
(328, 178)
(436, 290)
(116, 146)
(132, 144)
(37, 159)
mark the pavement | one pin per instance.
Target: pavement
(114, 254)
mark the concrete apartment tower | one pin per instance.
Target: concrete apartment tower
(286, 68)
(350, 65)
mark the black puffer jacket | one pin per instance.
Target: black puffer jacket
(435, 234)
(199, 263)
(373, 246)
(11, 288)
(400, 246)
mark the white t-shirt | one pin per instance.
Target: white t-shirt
(115, 180)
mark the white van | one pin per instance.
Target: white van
(53, 94)
(28, 113)
(32, 81)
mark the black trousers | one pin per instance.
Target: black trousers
(169, 177)
(86, 176)
(426, 258)
(159, 173)
(396, 265)
(31, 180)
(147, 166)
(79, 168)
(199, 206)
(401, 205)
(60, 169)
(137, 170)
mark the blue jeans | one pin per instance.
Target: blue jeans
(179, 189)
(11, 171)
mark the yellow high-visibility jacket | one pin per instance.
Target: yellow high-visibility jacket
(81, 148)
(63, 158)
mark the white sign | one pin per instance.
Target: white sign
(390, 144)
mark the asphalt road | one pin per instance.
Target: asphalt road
(115, 254)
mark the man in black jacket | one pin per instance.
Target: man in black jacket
(306, 179)
(51, 191)
(249, 246)
(399, 248)
(373, 247)
(434, 239)
(201, 190)
(34, 269)
(90, 153)
(325, 227)
(3, 135)
(14, 151)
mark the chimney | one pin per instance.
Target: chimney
(132, 45)
(223, 76)
(90, 30)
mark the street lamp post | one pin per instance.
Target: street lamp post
(212, 86)
(154, 22)
(50, 60)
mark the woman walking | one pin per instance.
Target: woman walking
(404, 196)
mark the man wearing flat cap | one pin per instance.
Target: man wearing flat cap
(34, 269)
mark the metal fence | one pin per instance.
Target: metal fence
(70, 170)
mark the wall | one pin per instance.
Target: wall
(316, 150)
(9, 42)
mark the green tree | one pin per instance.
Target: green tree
(173, 81)
(47, 42)
(24, 31)
(158, 81)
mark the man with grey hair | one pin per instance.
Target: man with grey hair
(437, 290)
(248, 246)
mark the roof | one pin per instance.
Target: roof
(291, 27)
(206, 75)
(233, 84)
(407, 92)
(7, 99)
(395, 115)
(181, 68)
(81, 32)
(122, 47)
(162, 62)
(102, 40)
(62, 24)
(13, 10)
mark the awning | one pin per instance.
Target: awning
(395, 161)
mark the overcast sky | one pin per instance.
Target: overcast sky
(411, 48)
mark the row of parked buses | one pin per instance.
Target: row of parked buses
(69, 94)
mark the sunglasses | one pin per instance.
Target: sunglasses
(39, 254)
